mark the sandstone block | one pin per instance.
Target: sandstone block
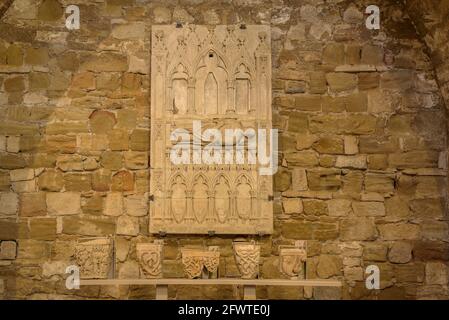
(136, 205)
(372, 55)
(106, 62)
(123, 181)
(332, 145)
(368, 208)
(329, 266)
(308, 103)
(21, 174)
(102, 121)
(351, 145)
(49, 10)
(9, 204)
(24, 186)
(339, 207)
(51, 180)
(52, 268)
(43, 228)
(340, 82)
(292, 206)
(118, 140)
(101, 180)
(401, 231)
(33, 204)
(61, 144)
(99, 226)
(92, 205)
(334, 54)
(36, 56)
(356, 162)
(127, 225)
(414, 159)
(111, 160)
(136, 160)
(357, 229)
(70, 162)
(297, 122)
(317, 83)
(305, 141)
(113, 204)
(302, 159)
(436, 273)
(63, 203)
(375, 252)
(77, 182)
(132, 31)
(8, 250)
(140, 140)
(397, 79)
(129, 270)
(400, 252)
(349, 124)
(299, 179)
(83, 80)
(315, 207)
(282, 180)
(324, 179)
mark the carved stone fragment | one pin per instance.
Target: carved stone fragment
(150, 257)
(292, 260)
(197, 261)
(94, 257)
(247, 256)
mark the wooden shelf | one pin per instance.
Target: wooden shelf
(225, 281)
(249, 285)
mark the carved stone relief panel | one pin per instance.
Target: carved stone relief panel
(150, 257)
(219, 76)
(292, 259)
(247, 257)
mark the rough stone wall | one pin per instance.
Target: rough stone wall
(363, 146)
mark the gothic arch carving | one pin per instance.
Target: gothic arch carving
(220, 75)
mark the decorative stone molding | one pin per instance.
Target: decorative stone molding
(94, 257)
(292, 260)
(196, 261)
(247, 256)
(150, 257)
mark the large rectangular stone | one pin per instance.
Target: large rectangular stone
(43, 228)
(33, 204)
(368, 208)
(347, 124)
(101, 226)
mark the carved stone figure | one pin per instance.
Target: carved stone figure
(292, 260)
(150, 257)
(219, 75)
(94, 257)
(247, 256)
(196, 261)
